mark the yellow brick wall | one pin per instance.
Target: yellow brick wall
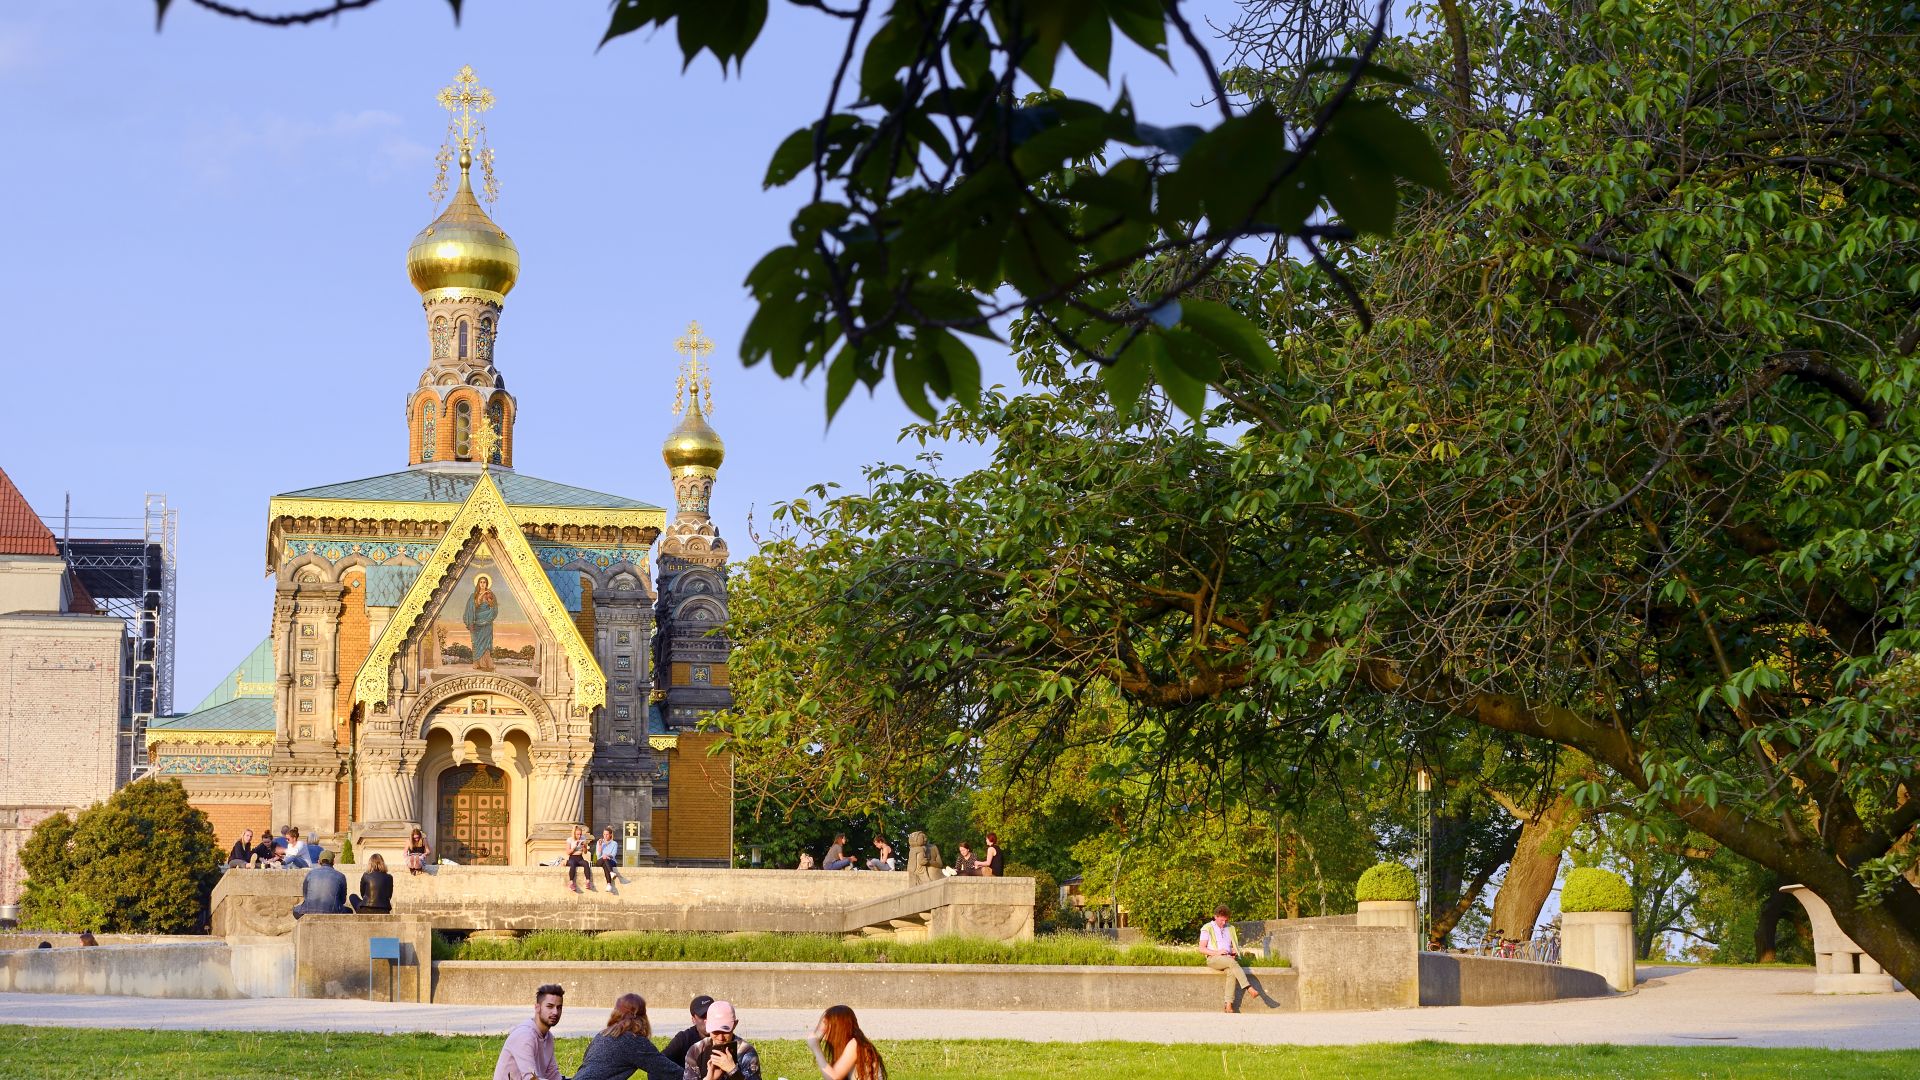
(682, 674)
(699, 801)
(231, 819)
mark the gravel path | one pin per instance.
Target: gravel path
(1673, 1006)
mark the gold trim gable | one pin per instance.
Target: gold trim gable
(208, 737)
(485, 510)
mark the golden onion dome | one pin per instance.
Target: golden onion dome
(693, 444)
(464, 249)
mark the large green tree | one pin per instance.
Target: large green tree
(1625, 462)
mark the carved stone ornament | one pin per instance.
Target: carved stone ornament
(461, 685)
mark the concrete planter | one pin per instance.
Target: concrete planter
(1600, 942)
(1404, 914)
(1839, 965)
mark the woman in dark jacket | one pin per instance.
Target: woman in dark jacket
(376, 889)
(242, 853)
(625, 1049)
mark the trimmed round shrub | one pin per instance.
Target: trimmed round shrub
(1387, 881)
(1590, 888)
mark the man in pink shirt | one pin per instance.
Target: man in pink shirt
(528, 1053)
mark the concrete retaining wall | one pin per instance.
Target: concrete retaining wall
(1447, 979)
(201, 969)
(1349, 967)
(28, 939)
(260, 902)
(862, 986)
(331, 958)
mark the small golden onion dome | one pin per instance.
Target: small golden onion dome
(693, 444)
(463, 249)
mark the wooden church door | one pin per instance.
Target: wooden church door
(473, 816)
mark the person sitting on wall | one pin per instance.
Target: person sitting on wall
(837, 854)
(324, 892)
(806, 861)
(266, 854)
(297, 856)
(87, 938)
(242, 853)
(966, 865)
(884, 861)
(376, 888)
(417, 852)
(996, 860)
(607, 854)
(578, 845)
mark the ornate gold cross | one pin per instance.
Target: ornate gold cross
(694, 380)
(465, 99)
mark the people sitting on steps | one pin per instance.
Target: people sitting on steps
(324, 892)
(417, 853)
(297, 856)
(579, 846)
(242, 853)
(607, 856)
(376, 888)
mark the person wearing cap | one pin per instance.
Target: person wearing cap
(676, 1048)
(721, 1055)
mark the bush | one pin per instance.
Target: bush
(346, 851)
(1387, 881)
(145, 860)
(60, 909)
(650, 947)
(1590, 888)
(1046, 892)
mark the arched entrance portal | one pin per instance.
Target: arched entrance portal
(472, 823)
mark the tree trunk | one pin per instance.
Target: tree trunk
(1535, 867)
(1766, 939)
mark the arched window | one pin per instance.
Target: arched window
(431, 413)
(463, 339)
(497, 418)
(462, 429)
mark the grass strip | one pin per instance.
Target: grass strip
(27, 1053)
(631, 945)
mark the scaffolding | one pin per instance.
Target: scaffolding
(127, 564)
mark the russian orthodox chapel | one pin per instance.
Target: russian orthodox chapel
(460, 648)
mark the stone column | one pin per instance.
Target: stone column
(389, 797)
(305, 769)
(556, 806)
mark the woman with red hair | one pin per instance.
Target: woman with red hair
(842, 1050)
(626, 1047)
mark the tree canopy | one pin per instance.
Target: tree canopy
(1625, 463)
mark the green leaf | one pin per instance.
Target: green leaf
(1127, 375)
(840, 380)
(1144, 22)
(1368, 69)
(1234, 333)
(1188, 392)
(1092, 42)
(1393, 140)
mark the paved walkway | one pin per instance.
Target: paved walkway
(1673, 1006)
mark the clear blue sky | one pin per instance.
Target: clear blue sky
(203, 266)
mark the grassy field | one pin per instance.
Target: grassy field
(814, 949)
(180, 1055)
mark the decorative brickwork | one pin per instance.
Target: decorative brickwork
(700, 808)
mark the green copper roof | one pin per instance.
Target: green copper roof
(237, 714)
(422, 485)
(257, 668)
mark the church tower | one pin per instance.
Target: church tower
(464, 265)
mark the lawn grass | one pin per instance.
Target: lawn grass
(1084, 949)
(197, 1055)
